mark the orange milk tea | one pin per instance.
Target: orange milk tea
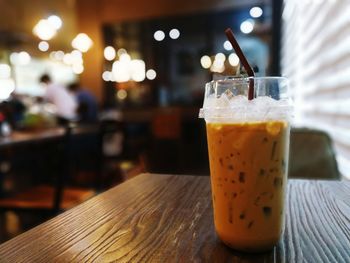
(248, 166)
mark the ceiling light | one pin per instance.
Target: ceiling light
(151, 74)
(233, 59)
(107, 76)
(44, 30)
(205, 61)
(122, 94)
(227, 45)
(247, 26)
(121, 51)
(109, 53)
(137, 70)
(159, 35)
(82, 42)
(55, 21)
(256, 12)
(5, 71)
(23, 58)
(174, 33)
(220, 57)
(43, 46)
(78, 68)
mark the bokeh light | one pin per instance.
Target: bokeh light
(256, 12)
(43, 46)
(159, 35)
(107, 76)
(5, 71)
(78, 68)
(82, 42)
(109, 53)
(122, 94)
(233, 59)
(151, 74)
(55, 21)
(174, 33)
(227, 45)
(205, 61)
(220, 57)
(44, 30)
(247, 26)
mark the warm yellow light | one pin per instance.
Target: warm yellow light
(44, 30)
(121, 51)
(55, 21)
(233, 59)
(59, 55)
(120, 70)
(5, 71)
(137, 70)
(220, 57)
(43, 46)
(205, 62)
(218, 66)
(151, 74)
(122, 94)
(78, 68)
(24, 58)
(125, 57)
(107, 76)
(68, 59)
(7, 87)
(76, 57)
(109, 53)
(82, 42)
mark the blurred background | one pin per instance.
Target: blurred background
(93, 92)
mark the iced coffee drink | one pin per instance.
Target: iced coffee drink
(248, 144)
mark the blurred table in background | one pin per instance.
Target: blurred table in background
(22, 137)
(36, 172)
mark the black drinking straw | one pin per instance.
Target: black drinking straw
(244, 61)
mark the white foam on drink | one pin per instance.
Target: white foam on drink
(229, 108)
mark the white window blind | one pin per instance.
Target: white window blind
(316, 59)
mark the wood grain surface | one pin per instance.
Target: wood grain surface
(168, 218)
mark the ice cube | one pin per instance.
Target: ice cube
(209, 102)
(223, 101)
(213, 102)
(263, 101)
(238, 101)
(229, 94)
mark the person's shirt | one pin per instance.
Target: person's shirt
(65, 103)
(88, 108)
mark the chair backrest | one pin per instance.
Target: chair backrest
(312, 155)
(166, 124)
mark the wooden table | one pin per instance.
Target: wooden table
(42, 135)
(168, 218)
(22, 137)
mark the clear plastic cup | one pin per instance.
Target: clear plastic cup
(248, 144)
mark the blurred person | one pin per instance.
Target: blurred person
(87, 104)
(14, 109)
(65, 103)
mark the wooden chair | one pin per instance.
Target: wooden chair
(165, 152)
(117, 164)
(312, 155)
(50, 199)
